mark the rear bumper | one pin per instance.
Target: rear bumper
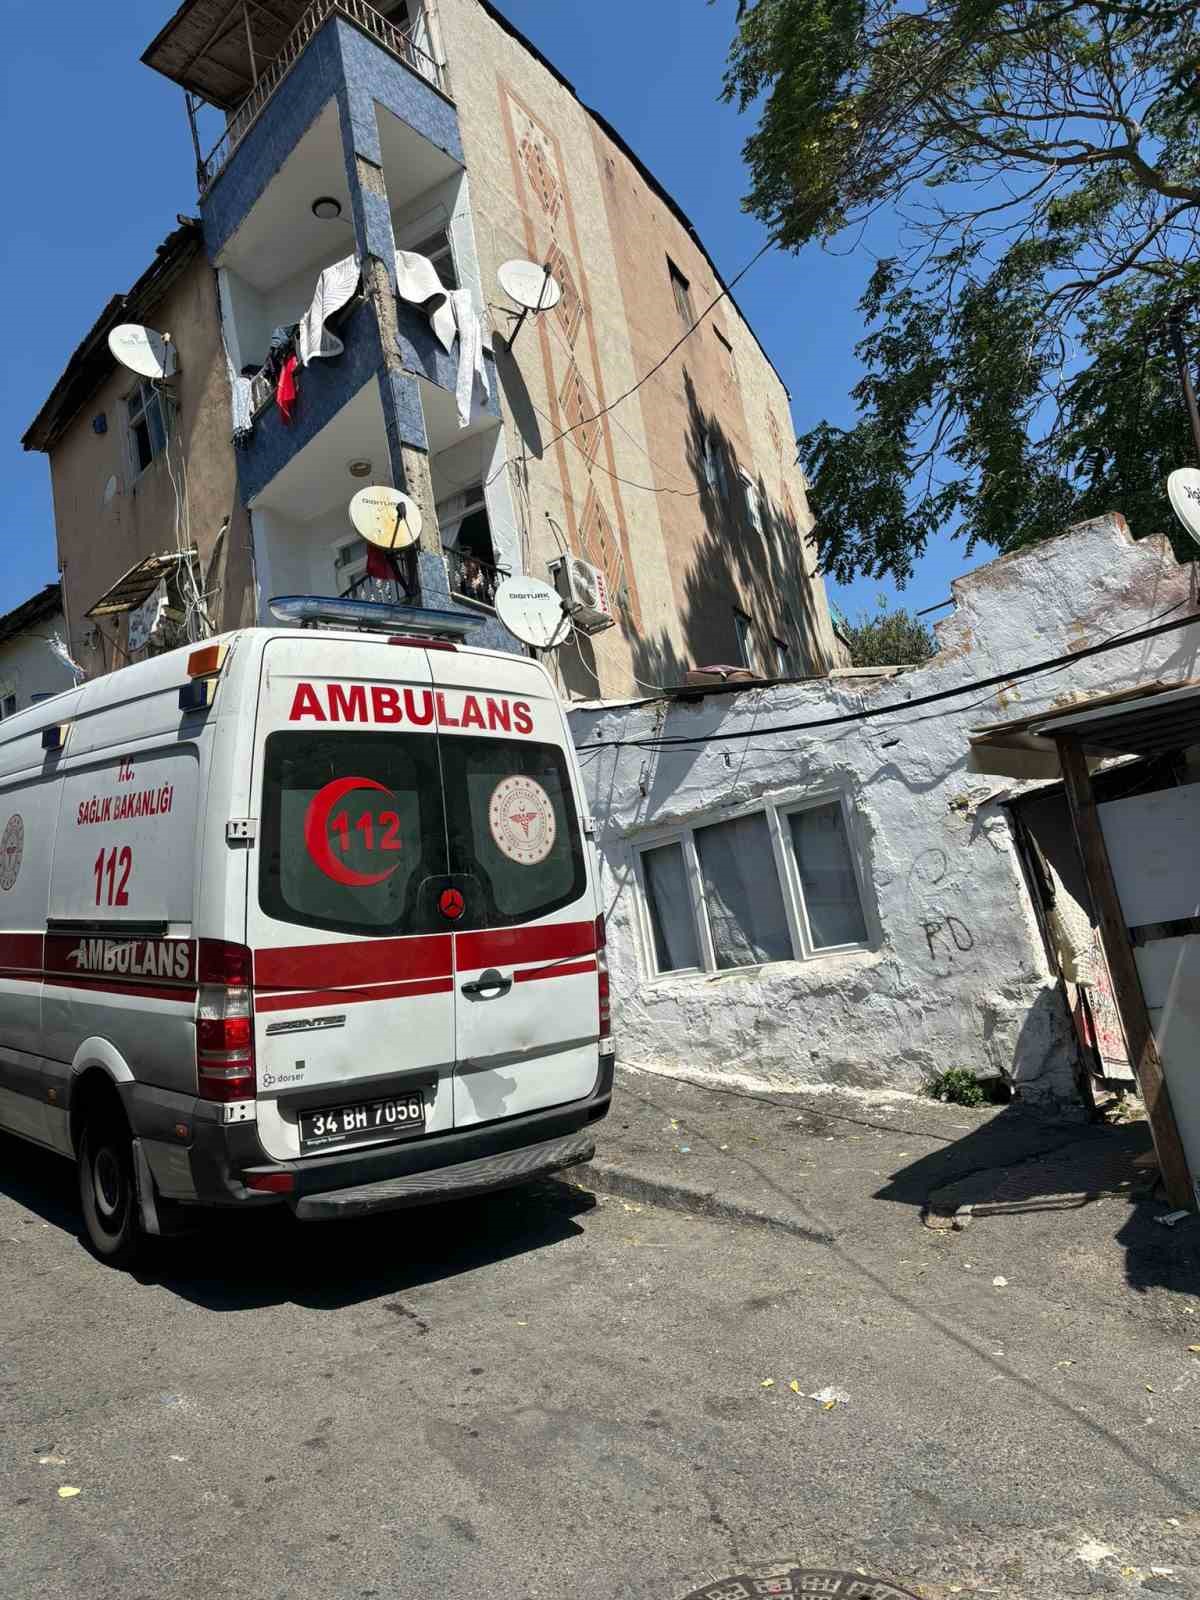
(213, 1170)
(481, 1176)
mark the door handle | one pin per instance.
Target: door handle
(490, 982)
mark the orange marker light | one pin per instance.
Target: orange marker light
(205, 662)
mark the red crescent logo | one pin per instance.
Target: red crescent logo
(316, 833)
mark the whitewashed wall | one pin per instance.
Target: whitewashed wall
(28, 666)
(956, 975)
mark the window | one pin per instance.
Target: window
(714, 463)
(503, 889)
(349, 564)
(779, 883)
(149, 418)
(403, 828)
(683, 294)
(727, 355)
(783, 663)
(750, 496)
(745, 639)
(438, 248)
(10, 704)
(827, 878)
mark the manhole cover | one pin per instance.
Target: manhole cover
(801, 1581)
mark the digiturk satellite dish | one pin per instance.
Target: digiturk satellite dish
(386, 517)
(1183, 491)
(142, 350)
(532, 287)
(533, 612)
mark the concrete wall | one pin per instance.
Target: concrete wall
(629, 492)
(107, 517)
(956, 974)
(29, 667)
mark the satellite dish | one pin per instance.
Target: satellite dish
(386, 517)
(142, 350)
(529, 285)
(533, 612)
(1183, 491)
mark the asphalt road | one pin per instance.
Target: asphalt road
(546, 1396)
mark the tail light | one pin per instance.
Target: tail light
(225, 1022)
(602, 969)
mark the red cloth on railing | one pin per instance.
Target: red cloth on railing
(285, 389)
(381, 564)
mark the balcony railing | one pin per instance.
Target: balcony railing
(471, 578)
(396, 41)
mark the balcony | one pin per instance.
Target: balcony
(400, 43)
(471, 577)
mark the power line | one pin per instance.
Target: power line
(1015, 675)
(660, 363)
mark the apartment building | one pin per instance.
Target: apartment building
(338, 318)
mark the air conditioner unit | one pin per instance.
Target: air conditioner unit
(585, 590)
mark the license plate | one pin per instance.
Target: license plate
(362, 1124)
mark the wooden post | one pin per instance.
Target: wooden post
(201, 169)
(1127, 985)
(250, 44)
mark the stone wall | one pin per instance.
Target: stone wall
(955, 972)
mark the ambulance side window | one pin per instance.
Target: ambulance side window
(352, 828)
(511, 819)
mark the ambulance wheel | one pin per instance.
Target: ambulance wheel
(108, 1191)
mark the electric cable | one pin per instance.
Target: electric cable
(1053, 663)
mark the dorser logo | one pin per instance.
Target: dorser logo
(133, 958)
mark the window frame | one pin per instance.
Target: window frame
(730, 358)
(777, 810)
(136, 403)
(743, 626)
(681, 289)
(751, 500)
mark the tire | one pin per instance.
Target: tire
(108, 1191)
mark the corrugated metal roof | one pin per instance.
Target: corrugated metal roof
(134, 587)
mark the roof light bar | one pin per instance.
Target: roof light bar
(310, 609)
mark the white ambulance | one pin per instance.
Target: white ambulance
(301, 916)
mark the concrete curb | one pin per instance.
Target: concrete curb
(606, 1178)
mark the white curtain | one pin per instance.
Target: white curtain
(835, 914)
(675, 944)
(741, 887)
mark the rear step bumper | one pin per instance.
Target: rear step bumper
(448, 1183)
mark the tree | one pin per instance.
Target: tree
(888, 638)
(1043, 159)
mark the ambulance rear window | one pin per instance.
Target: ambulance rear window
(513, 828)
(352, 828)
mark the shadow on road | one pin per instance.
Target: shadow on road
(1016, 1165)
(246, 1261)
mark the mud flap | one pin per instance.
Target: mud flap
(145, 1191)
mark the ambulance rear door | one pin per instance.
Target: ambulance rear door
(525, 966)
(353, 994)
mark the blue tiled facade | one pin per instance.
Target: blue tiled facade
(344, 66)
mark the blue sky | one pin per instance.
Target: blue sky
(99, 163)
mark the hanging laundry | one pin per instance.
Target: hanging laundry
(418, 283)
(242, 405)
(381, 564)
(472, 373)
(335, 288)
(285, 389)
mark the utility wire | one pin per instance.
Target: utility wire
(661, 362)
(1013, 676)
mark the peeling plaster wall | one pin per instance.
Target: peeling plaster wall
(957, 974)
